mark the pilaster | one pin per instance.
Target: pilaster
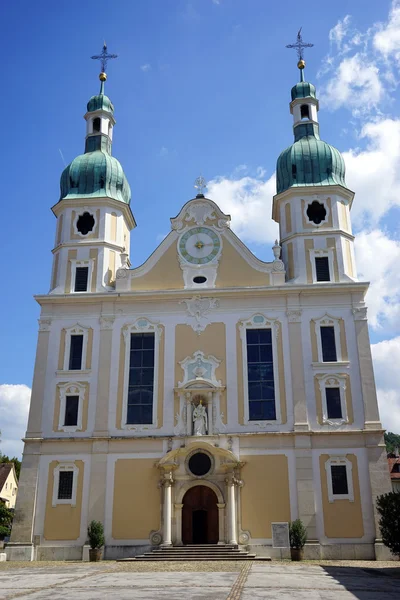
(297, 368)
(104, 370)
(34, 429)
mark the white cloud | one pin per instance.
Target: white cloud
(386, 357)
(373, 173)
(14, 408)
(145, 67)
(387, 39)
(248, 200)
(338, 33)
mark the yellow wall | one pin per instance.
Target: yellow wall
(234, 270)
(136, 505)
(211, 341)
(63, 522)
(342, 518)
(166, 274)
(265, 493)
(288, 218)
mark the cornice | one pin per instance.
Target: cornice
(156, 295)
(324, 232)
(92, 242)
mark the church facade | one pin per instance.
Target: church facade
(206, 394)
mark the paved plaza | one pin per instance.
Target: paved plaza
(199, 581)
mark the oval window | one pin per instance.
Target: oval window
(199, 279)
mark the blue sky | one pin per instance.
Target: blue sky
(199, 86)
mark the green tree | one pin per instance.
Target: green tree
(392, 441)
(388, 506)
(6, 517)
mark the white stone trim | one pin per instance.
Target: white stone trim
(86, 209)
(328, 321)
(320, 253)
(81, 263)
(259, 321)
(75, 330)
(320, 200)
(339, 461)
(65, 466)
(333, 381)
(71, 389)
(141, 325)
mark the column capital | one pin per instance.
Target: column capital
(294, 316)
(180, 506)
(219, 505)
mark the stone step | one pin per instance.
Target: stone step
(189, 558)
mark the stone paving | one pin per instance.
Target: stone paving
(199, 581)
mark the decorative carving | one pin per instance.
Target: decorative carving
(294, 316)
(244, 538)
(44, 324)
(200, 420)
(155, 538)
(199, 367)
(180, 427)
(230, 443)
(141, 324)
(219, 425)
(169, 444)
(199, 212)
(360, 313)
(278, 265)
(197, 307)
(106, 322)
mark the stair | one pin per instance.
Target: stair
(195, 552)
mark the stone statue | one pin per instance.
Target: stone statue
(200, 419)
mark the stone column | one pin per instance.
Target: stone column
(167, 525)
(221, 523)
(189, 412)
(231, 511)
(371, 412)
(297, 369)
(178, 520)
(103, 381)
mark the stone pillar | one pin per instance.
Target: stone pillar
(232, 511)
(167, 525)
(297, 369)
(371, 412)
(305, 485)
(189, 413)
(103, 381)
(221, 523)
(34, 428)
(20, 547)
(178, 520)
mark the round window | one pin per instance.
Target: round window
(199, 464)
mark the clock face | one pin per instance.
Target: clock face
(199, 245)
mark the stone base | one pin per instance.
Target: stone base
(115, 552)
(59, 553)
(20, 552)
(3, 556)
(382, 552)
(315, 551)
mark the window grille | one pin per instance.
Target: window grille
(260, 375)
(339, 480)
(322, 268)
(141, 379)
(328, 344)
(65, 484)
(81, 279)
(75, 353)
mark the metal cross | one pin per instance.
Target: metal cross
(299, 45)
(200, 184)
(104, 57)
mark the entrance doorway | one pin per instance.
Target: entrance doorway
(200, 516)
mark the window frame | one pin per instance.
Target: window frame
(308, 203)
(65, 466)
(336, 461)
(260, 321)
(322, 253)
(76, 329)
(93, 213)
(71, 389)
(81, 263)
(333, 381)
(141, 325)
(328, 321)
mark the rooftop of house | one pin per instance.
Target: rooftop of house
(5, 469)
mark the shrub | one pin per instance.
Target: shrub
(388, 506)
(95, 535)
(297, 534)
(6, 517)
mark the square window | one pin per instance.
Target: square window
(65, 484)
(81, 279)
(75, 353)
(328, 344)
(339, 480)
(71, 411)
(333, 403)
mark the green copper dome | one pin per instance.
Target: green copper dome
(96, 173)
(308, 161)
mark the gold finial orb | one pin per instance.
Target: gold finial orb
(301, 64)
(103, 76)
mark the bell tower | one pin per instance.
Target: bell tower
(94, 219)
(312, 204)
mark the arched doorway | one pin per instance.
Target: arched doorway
(200, 516)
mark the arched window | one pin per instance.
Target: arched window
(96, 125)
(304, 111)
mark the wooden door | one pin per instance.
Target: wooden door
(200, 516)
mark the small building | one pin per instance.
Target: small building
(8, 484)
(394, 470)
